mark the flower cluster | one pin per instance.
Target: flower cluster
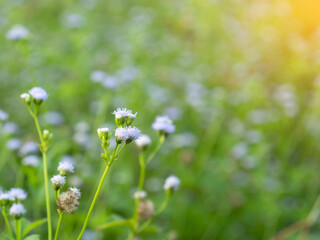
(124, 117)
(69, 201)
(38, 95)
(12, 199)
(65, 167)
(164, 125)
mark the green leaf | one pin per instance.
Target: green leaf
(110, 224)
(32, 226)
(32, 237)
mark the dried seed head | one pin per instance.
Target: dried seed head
(146, 209)
(69, 201)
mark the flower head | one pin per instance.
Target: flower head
(3, 115)
(28, 148)
(69, 201)
(31, 160)
(127, 134)
(5, 198)
(172, 183)
(140, 194)
(17, 210)
(13, 144)
(146, 209)
(39, 93)
(65, 167)
(164, 125)
(124, 117)
(18, 32)
(18, 194)
(143, 141)
(58, 181)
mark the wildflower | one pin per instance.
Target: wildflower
(172, 183)
(110, 82)
(140, 195)
(58, 181)
(3, 116)
(39, 94)
(69, 201)
(103, 134)
(65, 167)
(146, 209)
(26, 97)
(18, 194)
(17, 210)
(127, 134)
(10, 128)
(164, 125)
(13, 144)
(18, 32)
(5, 198)
(98, 76)
(124, 117)
(31, 160)
(54, 118)
(29, 148)
(143, 141)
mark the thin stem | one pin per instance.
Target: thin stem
(98, 191)
(45, 172)
(151, 156)
(59, 225)
(18, 229)
(4, 213)
(135, 224)
(161, 208)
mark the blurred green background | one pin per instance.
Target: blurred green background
(240, 79)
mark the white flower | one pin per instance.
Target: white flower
(17, 209)
(54, 118)
(74, 21)
(10, 128)
(65, 167)
(13, 144)
(3, 115)
(127, 134)
(75, 191)
(123, 112)
(172, 182)
(98, 76)
(31, 160)
(110, 82)
(143, 141)
(28, 148)
(38, 93)
(140, 194)
(6, 196)
(102, 130)
(18, 193)
(163, 123)
(58, 180)
(18, 32)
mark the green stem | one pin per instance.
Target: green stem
(151, 156)
(18, 229)
(4, 213)
(98, 191)
(45, 172)
(59, 225)
(160, 210)
(135, 223)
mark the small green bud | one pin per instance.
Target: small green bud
(26, 98)
(129, 121)
(47, 136)
(121, 121)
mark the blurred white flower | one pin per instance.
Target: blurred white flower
(38, 93)
(18, 32)
(173, 113)
(127, 74)
(13, 144)
(82, 127)
(254, 136)
(17, 210)
(186, 139)
(172, 182)
(10, 128)
(110, 82)
(54, 118)
(6, 196)
(143, 141)
(163, 123)
(98, 76)
(65, 167)
(31, 160)
(18, 193)
(74, 21)
(28, 148)
(140, 194)
(3, 115)
(239, 150)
